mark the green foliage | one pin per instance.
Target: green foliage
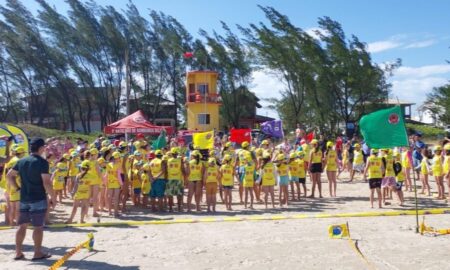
(438, 103)
(35, 131)
(427, 131)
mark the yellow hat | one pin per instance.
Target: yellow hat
(292, 155)
(300, 154)
(61, 166)
(101, 161)
(174, 150)
(106, 143)
(74, 154)
(245, 144)
(314, 141)
(66, 156)
(438, 148)
(116, 154)
(165, 157)
(374, 151)
(357, 145)
(93, 151)
(196, 153)
(137, 144)
(281, 157)
(265, 142)
(266, 155)
(104, 149)
(92, 145)
(158, 153)
(447, 146)
(226, 158)
(329, 144)
(211, 160)
(85, 164)
(228, 144)
(111, 147)
(19, 150)
(123, 144)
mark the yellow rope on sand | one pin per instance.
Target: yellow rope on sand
(88, 244)
(425, 229)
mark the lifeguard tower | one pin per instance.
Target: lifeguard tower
(202, 100)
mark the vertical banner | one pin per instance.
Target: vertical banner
(20, 137)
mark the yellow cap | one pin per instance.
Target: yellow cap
(174, 150)
(116, 154)
(61, 166)
(137, 144)
(101, 161)
(131, 157)
(228, 144)
(93, 151)
(74, 154)
(314, 141)
(357, 145)
(20, 150)
(329, 144)
(226, 158)
(245, 144)
(292, 155)
(85, 164)
(265, 142)
(438, 148)
(447, 146)
(137, 153)
(281, 157)
(165, 157)
(300, 154)
(196, 153)
(123, 144)
(106, 143)
(66, 156)
(158, 153)
(92, 145)
(104, 149)
(211, 160)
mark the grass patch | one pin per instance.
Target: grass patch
(35, 131)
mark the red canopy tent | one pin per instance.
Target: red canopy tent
(136, 123)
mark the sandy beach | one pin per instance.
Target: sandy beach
(386, 242)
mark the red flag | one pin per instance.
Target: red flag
(188, 54)
(241, 135)
(310, 137)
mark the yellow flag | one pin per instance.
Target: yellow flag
(338, 231)
(20, 137)
(203, 140)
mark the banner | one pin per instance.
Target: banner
(20, 137)
(240, 135)
(203, 140)
(160, 142)
(273, 128)
(384, 128)
(310, 136)
(4, 132)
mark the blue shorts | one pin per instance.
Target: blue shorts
(137, 191)
(294, 179)
(284, 180)
(33, 212)
(158, 188)
(241, 174)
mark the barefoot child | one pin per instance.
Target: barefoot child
(375, 168)
(388, 184)
(146, 186)
(114, 171)
(175, 185)
(316, 168)
(283, 178)
(425, 171)
(303, 168)
(226, 177)
(447, 167)
(438, 172)
(211, 184)
(294, 175)
(136, 182)
(57, 179)
(268, 176)
(14, 194)
(81, 193)
(400, 178)
(331, 166)
(248, 181)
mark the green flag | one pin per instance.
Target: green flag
(160, 142)
(384, 128)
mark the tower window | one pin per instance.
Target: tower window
(203, 119)
(203, 89)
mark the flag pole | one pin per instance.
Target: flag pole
(416, 203)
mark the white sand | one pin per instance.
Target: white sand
(387, 242)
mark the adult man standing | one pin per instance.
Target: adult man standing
(36, 184)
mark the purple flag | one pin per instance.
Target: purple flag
(273, 128)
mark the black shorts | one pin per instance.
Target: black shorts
(399, 185)
(375, 183)
(302, 180)
(316, 167)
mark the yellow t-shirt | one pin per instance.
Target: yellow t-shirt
(424, 166)
(83, 189)
(249, 177)
(58, 179)
(211, 174)
(405, 161)
(358, 157)
(316, 157)
(268, 177)
(227, 174)
(294, 169)
(375, 164)
(331, 161)
(282, 169)
(389, 166)
(174, 169)
(437, 166)
(156, 168)
(307, 150)
(195, 170)
(446, 165)
(14, 195)
(301, 170)
(146, 187)
(136, 183)
(112, 172)
(244, 155)
(92, 175)
(74, 166)
(401, 175)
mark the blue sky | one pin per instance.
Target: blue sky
(415, 31)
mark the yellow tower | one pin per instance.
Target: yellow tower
(202, 100)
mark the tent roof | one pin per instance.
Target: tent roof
(136, 123)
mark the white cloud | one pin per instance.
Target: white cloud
(266, 85)
(423, 71)
(384, 45)
(313, 32)
(421, 44)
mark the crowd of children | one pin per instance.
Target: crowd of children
(105, 175)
